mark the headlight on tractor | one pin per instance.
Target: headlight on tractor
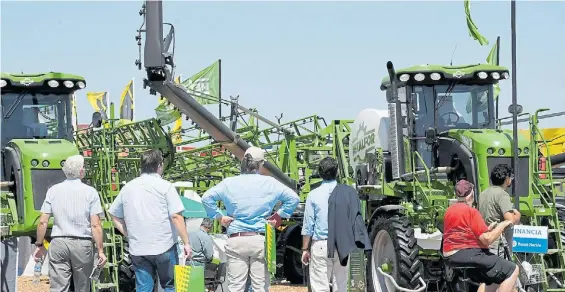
(34, 162)
(3, 83)
(45, 163)
(490, 151)
(435, 76)
(526, 150)
(419, 77)
(81, 85)
(495, 75)
(53, 83)
(404, 77)
(483, 75)
(501, 151)
(62, 163)
(68, 84)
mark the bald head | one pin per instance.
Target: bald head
(74, 166)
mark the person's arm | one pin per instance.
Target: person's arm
(210, 200)
(96, 212)
(481, 230)
(505, 207)
(46, 212)
(289, 200)
(117, 213)
(308, 223)
(208, 248)
(175, 208)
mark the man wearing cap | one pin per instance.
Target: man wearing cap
(249, 199)
(147, 211)
(466, 240)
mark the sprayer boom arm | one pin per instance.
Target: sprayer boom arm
(157, 61)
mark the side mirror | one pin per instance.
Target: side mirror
(97, 120)
(431, 136)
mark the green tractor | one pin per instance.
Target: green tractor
(441, 126)
(36, 138)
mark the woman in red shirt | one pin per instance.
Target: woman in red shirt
(466, 238)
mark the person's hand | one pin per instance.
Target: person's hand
(39, 253)
(508, 223)
(272, 222)
(305, 257)
(187, 251)
(492, 226)
(101, 259)
(226, 220)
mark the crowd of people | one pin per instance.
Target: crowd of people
(148, 212)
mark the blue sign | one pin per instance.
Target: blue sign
(530, 239)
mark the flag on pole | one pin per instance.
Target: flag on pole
(126, 102)
(205, 85)
(165, 111)
(99, 101)
(492, 59)
(473, 29)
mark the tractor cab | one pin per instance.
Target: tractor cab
(447, 115)
(36, 138)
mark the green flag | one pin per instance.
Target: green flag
(205, 85)
(166, 112)
(493, 60)
(473, 29)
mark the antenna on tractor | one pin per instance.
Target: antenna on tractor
(452, 54)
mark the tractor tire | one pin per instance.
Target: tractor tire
(126, 274)
(293, 270)
(393, 243)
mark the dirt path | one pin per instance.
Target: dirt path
(25, 284)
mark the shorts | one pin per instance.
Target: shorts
(485, 267)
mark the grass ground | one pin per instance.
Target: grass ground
(25, 284)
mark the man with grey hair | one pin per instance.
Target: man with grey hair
(146, 211)
(77, 210)
(249, 200)
(202, 244)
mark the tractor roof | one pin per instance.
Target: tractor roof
(40, 77)
(447, 73)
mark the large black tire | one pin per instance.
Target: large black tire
(126, 274)
(293, 270)
(409, 268)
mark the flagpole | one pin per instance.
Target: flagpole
(497, 64)
(133, 98)
(514, 105)
(220, 89)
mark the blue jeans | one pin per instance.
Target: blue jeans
(147, 267)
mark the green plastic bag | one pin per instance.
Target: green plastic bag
(271, 248)
(189, 278)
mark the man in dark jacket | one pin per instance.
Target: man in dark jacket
(345, 219)
(318, 227)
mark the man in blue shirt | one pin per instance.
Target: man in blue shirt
(202, 244)
(249, 200)
(323, 270)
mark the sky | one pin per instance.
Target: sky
(296, 58)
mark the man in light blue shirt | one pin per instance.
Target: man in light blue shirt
(323, 270)
(249, 200)
(202, 244)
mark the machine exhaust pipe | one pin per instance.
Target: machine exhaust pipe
(395, 112)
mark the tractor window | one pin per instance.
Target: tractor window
(463, 107)
(34, 116)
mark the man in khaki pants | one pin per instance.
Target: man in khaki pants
(249, 200)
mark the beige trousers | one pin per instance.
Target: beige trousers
(246, 257)
(326, 271)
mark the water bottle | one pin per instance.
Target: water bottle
(180, 250)
(37, 272)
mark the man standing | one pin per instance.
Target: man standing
(77, 210)
(145, 210)
(495, 204)
(325, 265)
(249, 200)
(202, 244)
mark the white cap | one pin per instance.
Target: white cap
(256, 153)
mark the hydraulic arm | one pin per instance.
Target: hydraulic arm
(159, 65)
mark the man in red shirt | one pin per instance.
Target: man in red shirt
(466, 239)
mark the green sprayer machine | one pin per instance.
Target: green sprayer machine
(441, 127)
